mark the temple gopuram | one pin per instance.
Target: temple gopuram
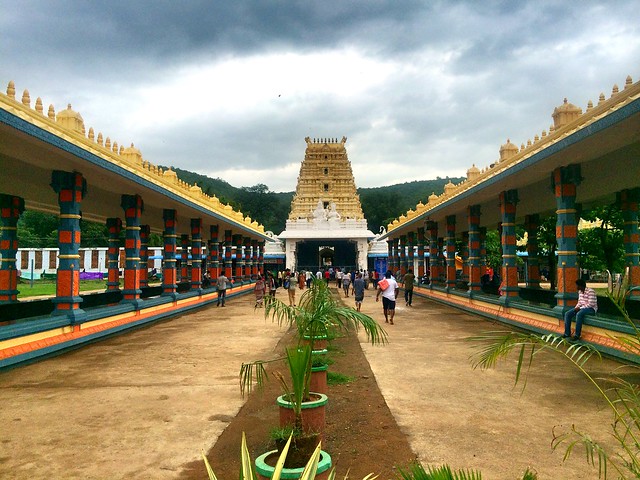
(326, 226)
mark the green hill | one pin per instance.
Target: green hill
(380, 205)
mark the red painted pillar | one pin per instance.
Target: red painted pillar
(628, 201)
(71, 188)
(531, 224)
(474, 248)
(421, 260)
(237, 243)
(411, 243)
(254, 258)
(144, 255)
(169, 271)
(133, 207)
(214, 253)
(11, 207)
(509, 289)
(403, 254)
(196, 253)
(184, 258)
(247, 258)
(434, 255)
(565, 183)
(451, 251)
(114, 225)
(261, 257)
(228, 254)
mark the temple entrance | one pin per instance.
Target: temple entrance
(315, 254)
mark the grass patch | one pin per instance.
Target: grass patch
(335, 378)
(49, 287)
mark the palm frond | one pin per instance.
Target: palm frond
(247, 373)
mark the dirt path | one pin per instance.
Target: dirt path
(143, 405)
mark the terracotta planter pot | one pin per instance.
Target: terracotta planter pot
(312, 413)
(265, 465)
(318, 382)
(319, 343)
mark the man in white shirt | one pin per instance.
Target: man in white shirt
(389, 295)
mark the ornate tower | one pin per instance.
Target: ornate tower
(326, 177)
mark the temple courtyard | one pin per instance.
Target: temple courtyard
(143, 405)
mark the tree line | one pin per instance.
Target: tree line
(600, 248)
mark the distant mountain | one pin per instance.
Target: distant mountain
(380, 205)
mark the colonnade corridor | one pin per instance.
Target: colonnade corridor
(143, 404)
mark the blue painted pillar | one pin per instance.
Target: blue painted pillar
(71, 188)
(509, 289)
(473, 215)
(421, 261)
(565, 182)
(114, 225)
(214, 252)
(228, 252)
(628, 201)
(531, 225)
(196, 254)
(451, 252)
(145, 231)
(169, 270)
(11, 208)
(133, 207)
(432, 228)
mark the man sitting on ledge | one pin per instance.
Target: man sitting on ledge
(587, 305)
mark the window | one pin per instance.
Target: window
(326, 171)
(326, 187)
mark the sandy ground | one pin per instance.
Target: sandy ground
(143, 404)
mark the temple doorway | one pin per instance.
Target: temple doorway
(315, 254)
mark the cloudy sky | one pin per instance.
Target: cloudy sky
(230, 89)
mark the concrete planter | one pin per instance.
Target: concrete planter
(318, 382)
(265, 465)
(313, 413)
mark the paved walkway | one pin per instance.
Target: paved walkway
(141, 405)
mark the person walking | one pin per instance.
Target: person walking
(290, 285)
(587, 305)
(272, 285)
(302, 280)
(388, 288)
(409, 280)
(221, 288)
(346, 283)
(358, 290)
(259, 289)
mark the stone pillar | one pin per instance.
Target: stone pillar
(228, 253)
(565, 181)
(474, 246)
(237, 243)
(420, 252)
(11, 208)
(451, 252)
(196, 254)
(114, 225)
(71, 188)
(214, 252)
(403, 254)
(254, 258)
(184, 257)
(247, 259)
(509, 287)
(144, 255)
(531, 225)
(432, 228)
(169, 270)
(628, 201)
(133, 207)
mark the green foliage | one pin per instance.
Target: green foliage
(602, 248)
(38, 230)
(444, 472)
(335, 378)
(621, 396)
(381, 205)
